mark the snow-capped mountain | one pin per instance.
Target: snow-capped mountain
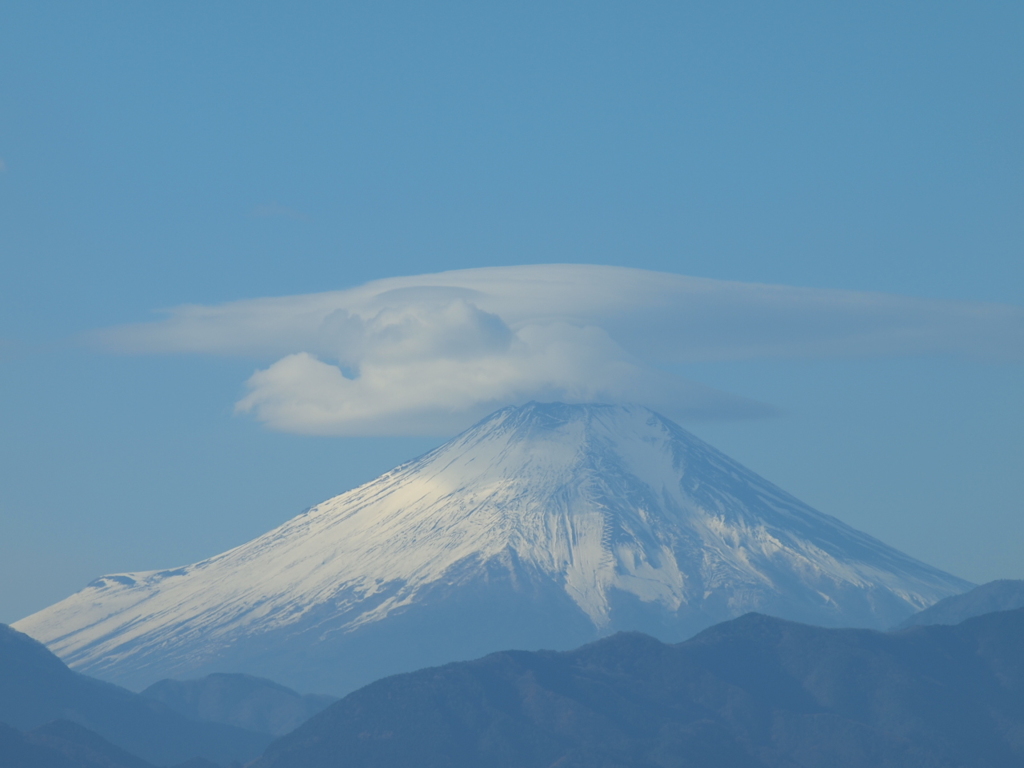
(545, 525)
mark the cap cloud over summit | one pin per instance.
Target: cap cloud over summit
(433, 353)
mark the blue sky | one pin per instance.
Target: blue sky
(160, 155)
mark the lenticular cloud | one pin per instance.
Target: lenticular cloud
(432, 353)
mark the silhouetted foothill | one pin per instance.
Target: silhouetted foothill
(756, 692)
(37, 688)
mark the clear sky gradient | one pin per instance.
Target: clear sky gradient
(154, 155)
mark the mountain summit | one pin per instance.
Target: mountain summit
(545, 525)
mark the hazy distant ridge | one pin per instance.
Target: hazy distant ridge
(1001, 595)
(253, 703)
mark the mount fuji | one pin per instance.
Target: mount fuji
(543, 526)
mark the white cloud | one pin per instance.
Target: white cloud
(430, 353)
(434, 393)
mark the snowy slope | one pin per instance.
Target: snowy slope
(542, 526)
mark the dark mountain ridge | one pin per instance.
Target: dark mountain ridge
(37, 688)
(61, 744)
(754, 692)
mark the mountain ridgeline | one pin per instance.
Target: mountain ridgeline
(252, 703)
(65, 744)
(101, 722)
(755, 692)
(1001, 595)
(543, 526)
